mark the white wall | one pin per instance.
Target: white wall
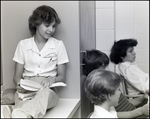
(14, 21)
(132, 21)
(117, 20)
(105, 27)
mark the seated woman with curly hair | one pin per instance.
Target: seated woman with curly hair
(123, 54)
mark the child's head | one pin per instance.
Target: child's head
(42, 14)
(93, 59)
(102, 85)
(123, 50)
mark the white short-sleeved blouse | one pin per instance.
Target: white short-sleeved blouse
(43, 63)
(135, 75)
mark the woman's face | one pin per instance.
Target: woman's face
(46, 30)
(130, 55)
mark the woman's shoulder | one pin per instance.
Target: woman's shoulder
(55, 40)
(124, 64)
(57, 43)
(127, 65)
(26, 41)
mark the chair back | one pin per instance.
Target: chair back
(125, 84)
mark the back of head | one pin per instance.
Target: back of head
(93, 59)
(101, 83)
(119, 49)
(41, 14)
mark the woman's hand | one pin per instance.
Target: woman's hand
(147, 92)
(145, 109)
(46, 82)
(146, 95)
(20, 89)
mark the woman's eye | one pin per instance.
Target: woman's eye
(131, 50)
(54, 26)
(47, 25)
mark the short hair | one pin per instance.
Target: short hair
(41, 14)
(119, 49)
(100, 84)
(93, 59)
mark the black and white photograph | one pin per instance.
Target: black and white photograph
(75, 59)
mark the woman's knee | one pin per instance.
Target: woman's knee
(53, 98)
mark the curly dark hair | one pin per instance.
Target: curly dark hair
(42, 14)
(101, 83)
(93, 59)
(119, 49)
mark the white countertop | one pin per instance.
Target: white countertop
(65, 108)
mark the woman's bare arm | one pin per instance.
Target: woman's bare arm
(61, 73)
(18, 73)
(60, 77)
(134, 113)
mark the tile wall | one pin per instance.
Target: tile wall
(116, 20)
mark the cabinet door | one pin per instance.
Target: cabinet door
(87, 42)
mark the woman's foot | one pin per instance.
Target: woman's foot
(7, 110)
(17, 113)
